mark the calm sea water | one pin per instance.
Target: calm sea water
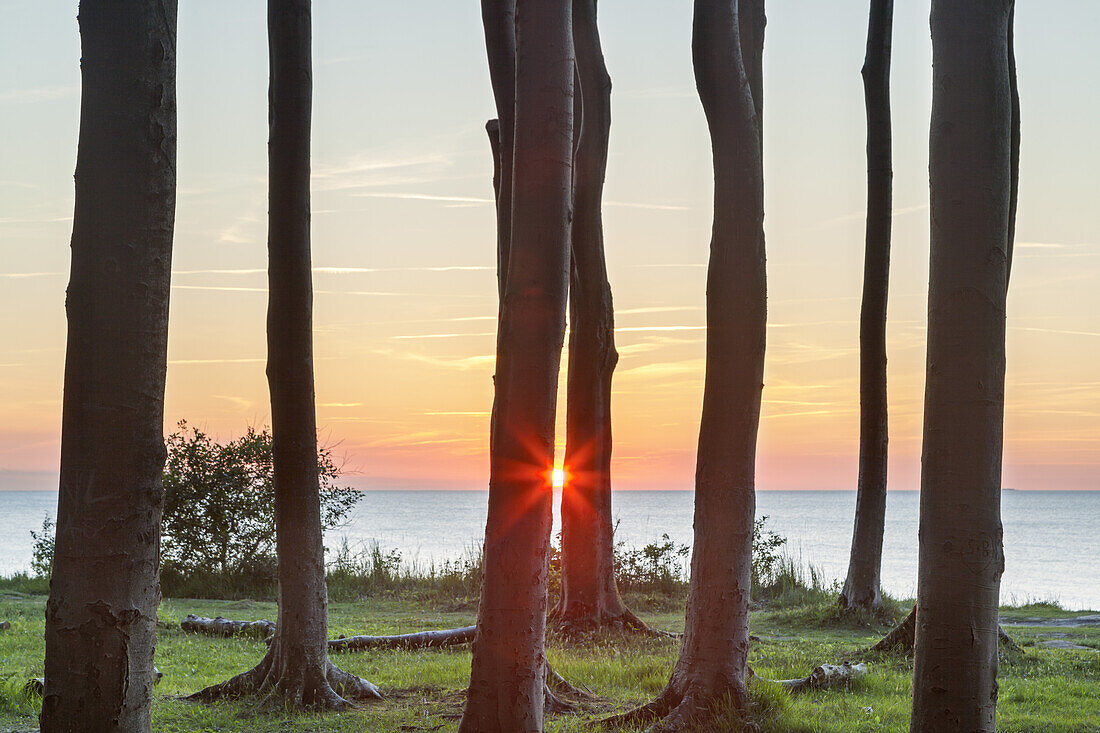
(1052, 539)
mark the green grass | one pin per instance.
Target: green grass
(1042, 690)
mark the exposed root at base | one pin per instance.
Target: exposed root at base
(560, 696)
(335, 690)
(676, 710)
(580, 625)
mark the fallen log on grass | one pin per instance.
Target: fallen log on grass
(5, 625)
(560, 696)
(264, 629)
(224, 627)
(824, 677)
(418, 640)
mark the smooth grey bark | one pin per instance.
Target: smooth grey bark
(961, 545)
(508, 674)
(1015, 159)
(713, 658)
(752, 21)
(589, 596)
(862, 586)
(104, 592)
(296, 671)
(499, 20)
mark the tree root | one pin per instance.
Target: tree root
(560, 696)
(903, 637)
(578, 625)
(262, 629)
(273, 682)
(419, 640)
(682, 706)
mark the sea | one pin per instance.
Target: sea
(1052, 538)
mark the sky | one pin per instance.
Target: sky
(403, 239)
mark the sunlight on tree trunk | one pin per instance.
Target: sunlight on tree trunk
(508, 673)
(961, 545)
(862, 586)
(589, 597)
(102, 610)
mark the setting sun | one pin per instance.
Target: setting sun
(557, 478)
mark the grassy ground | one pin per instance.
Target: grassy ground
(1043, 690)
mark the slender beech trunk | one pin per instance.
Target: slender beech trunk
(508, 674)
(1015, 159)
(589, 596)
(713, 659)
(499, 20)
(862, 587)
(751, 23)
(100, 619)
(296, 670)
(961, 547)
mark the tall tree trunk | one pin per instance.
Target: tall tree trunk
(961, 544)
(507, 678)
(499, 20)
(751, 23)
(100, 619)
(1015, 154)
(296, 670)
(862, 587)
(589, 596)
(713, 659)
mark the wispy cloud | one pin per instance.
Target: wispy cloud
(1047, 250)
(216, 361)
(342, 270)
(423, 197)
(386, 169)
(425, 336)
(237, 401)
(340, 404)
(1060, 331)
(657, 309)
(21, 275)
(382, 293)
(461, 364)
(862, 214)
(642, 205)
(38, 94)
(484, 201)
(38, 220)
(672, 265)
(458, 414)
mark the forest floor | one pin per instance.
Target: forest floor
(1046, 688)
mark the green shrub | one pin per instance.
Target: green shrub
(42, 553)
(218, 527)
(219, 503)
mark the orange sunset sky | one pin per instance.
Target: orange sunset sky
(404, 235)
